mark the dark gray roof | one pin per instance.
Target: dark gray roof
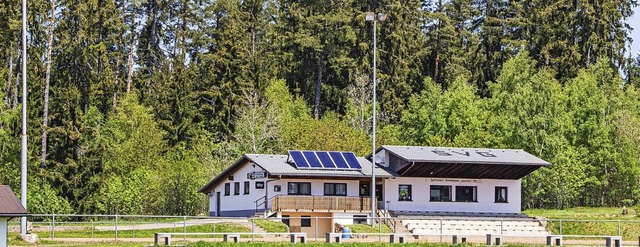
(9, 204)
(277, 165)
(465, 155)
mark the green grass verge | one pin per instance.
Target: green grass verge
(272, 225)
(87, 232)
(364, 228)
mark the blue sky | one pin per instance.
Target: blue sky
(634, 21)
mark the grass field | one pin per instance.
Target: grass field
(590, 221)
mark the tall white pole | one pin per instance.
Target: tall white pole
(373, 141)
(23, 167)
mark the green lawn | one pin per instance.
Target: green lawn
(272, 225)
(88, 233)
(590, 221)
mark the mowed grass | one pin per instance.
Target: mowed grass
(318, 244)
(364, 228)
(272, 225)
(602, 221)
(148, 233)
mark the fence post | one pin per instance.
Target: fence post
(619, 228)
(92, 228)
(134, 228)
(379, 230)
(560, 227)
(116, 227)
(184, 228)
(253, 229)
(53, 223)
(501, 226)
(316, 233)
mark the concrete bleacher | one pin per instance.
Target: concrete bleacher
(472, 224)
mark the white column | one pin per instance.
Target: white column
(3, 232)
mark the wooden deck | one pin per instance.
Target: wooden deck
(321, 203)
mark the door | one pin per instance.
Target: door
(379, 195)
(218, 204)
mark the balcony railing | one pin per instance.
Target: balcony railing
(321, 203)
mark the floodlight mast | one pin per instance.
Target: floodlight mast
(23, 136)
(370, 16)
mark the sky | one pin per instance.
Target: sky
(634, 21)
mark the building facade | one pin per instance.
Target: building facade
(313, 190)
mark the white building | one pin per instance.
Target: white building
(311, 184)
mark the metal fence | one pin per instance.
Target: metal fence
(143, 227)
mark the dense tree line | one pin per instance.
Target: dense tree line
(133, 105)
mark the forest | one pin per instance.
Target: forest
(133, 105)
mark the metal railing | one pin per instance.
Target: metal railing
(122, 227)
(321, 203)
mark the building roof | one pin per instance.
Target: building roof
(280, 165)
(465, 155)
(9, 204)
(416, 161)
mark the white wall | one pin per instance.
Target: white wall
(420, 189)
(3, 232)
(247, 202)
(238, 202)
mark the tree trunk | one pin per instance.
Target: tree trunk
(8, 94)
(45, 111)
(16, 85)
(437, 50)
(316, 106)
(131, 47)
(116, 84)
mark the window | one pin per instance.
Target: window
(285, 219)
(440, 193)
(227, 189)
(277, 188)
(305, 221)
(246, 187)
(501, 195)
(360, 219)
(404, 192)
(466, 194)
(236, 188)
(299, 188)
(335, 189)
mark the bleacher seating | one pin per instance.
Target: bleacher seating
(429, 223)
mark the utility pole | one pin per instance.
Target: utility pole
(23, 153)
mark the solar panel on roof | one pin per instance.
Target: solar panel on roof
(339, 160)
(299, 159)
(352, 161)
(313, 160)
(323, 160)
(326, 160)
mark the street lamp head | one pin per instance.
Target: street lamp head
(382, 17)
(370, 16)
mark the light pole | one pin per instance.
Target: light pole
(23, 152)
(370, 16)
